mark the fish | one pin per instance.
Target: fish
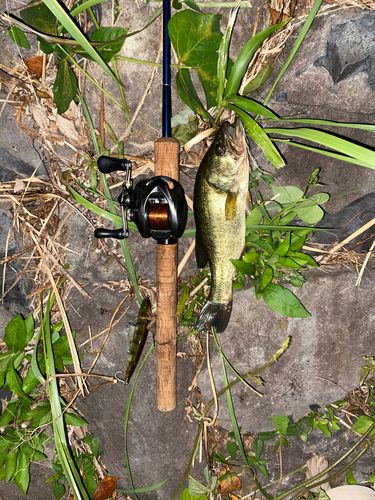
(144, 320)
(221, 202)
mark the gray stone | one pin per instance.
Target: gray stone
(351, 48)
(326, 352)
(307, 90)
(348, 220)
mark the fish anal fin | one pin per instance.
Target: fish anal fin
(201, 255)
(231, 206)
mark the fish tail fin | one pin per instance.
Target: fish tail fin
(214, 314)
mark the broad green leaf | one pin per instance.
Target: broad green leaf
(304, 257)
(266, 277)
(65, 86)
(350, 478)
(323, 495)
(251, 106)
(255, 215)
(286, 194)
(365, 156)
(10, 412)
(114, 38)
(11, 463)
(259, 136)
(40, 17)
(14, 382)
(188, 95)
(362, 424)
(284, 302)
(40, 415)
(284, 246)
(73, 419)
(22, 474)
(245, 56)
(196, 39)
(252, 256)
(18, 36)
(319, 198)
(309, 211)
(29, 382)
(196, 488)
(245, 267)
(29, 324)
(5, 358)
(259, 80)
(15, 334)
(186, 495)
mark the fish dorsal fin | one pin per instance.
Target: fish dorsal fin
(231, 206)
(201, 255)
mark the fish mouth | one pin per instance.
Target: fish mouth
(236, 136)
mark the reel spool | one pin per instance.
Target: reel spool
(157, 205)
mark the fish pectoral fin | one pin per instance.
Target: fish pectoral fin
(201, 255)
(231, 206)
(248, 203)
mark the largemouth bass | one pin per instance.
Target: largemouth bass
(221, 199)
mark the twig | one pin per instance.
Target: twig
(363, 267)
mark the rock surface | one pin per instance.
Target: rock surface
(326, 351)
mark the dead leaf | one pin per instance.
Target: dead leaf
(106, 488)
(276, 16)
(68, 130)
(35, 65)
(315, 465)
(19, 186)
(228, 483)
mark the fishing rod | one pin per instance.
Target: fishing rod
(159, 209)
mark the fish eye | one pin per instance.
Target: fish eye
(220, 149)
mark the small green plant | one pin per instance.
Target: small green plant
(27, 419)
(52, 23)
(201, 47)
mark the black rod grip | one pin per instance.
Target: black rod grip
(107, 164)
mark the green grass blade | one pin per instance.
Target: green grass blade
(223, 56)
(127, 415)
(70, 469)
(34, 359)
(116, 219)
(364, 156)
(260, 137)
(188, 95)
(143, 489)
(329, 123)
(84, 6)
(302, 34)
(246, 54)
(232, 413)
(64, 18)
(323, 152)
(232, 368)
(251, 106)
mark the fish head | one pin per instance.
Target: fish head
(228, 154)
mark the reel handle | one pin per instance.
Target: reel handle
(118, 234)
(108, 164)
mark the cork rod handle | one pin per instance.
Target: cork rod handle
(166, 163)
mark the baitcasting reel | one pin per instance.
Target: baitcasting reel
(157, 205)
